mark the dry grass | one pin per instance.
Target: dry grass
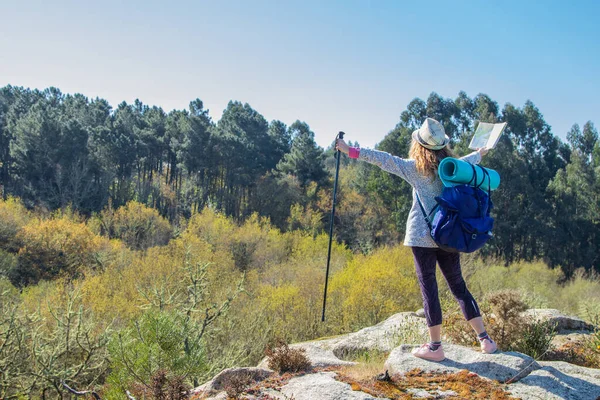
(368, 366)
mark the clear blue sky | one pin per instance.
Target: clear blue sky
(338, 65)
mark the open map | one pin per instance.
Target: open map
(487, 135)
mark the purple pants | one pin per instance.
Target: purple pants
(425, 260)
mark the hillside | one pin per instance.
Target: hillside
(108, 302)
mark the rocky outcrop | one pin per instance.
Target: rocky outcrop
(527, 379)
(322, 386)
(558, 380)
(567, 337)
(560, 321)
(502, 367)
(383, 337)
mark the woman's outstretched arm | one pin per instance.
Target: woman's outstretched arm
(404, 168)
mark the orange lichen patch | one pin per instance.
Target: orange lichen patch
(465, 384)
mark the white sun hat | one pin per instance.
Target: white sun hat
(431, 135)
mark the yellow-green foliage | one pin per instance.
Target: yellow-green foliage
(59, 246)
(292, 290)
(363, 218)
(540, 286)
(140, 227)
(13, 215)
(154, 278)
(581, 296)
(305, 219)
(212, 227)
(537, 284)
(283, 288)
(373, 287)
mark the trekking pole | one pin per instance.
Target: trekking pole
(337, 172)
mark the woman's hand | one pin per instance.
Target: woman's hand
(342, 146)
(483, 151)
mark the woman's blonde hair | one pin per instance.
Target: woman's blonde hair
(427, 160)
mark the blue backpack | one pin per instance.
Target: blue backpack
(461, 219)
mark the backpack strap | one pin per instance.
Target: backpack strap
(486, 174)
(425, 215)
(473, 181)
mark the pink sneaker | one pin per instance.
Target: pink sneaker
(488, 346)
(426, 353)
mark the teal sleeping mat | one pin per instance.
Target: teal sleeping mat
(454, 172)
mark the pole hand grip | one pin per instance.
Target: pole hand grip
(340, 135)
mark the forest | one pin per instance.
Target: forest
(60, 150)
(134, 240)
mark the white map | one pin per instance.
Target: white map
(487, 135)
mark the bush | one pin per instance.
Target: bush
(501, 312)
(504, 323)
(8, 262)
(536, 283)
(235, 385)
(13, 216)
(155, 345)
(282, 358)
(535, 338)
(580, 295)
(592, 344)
(140, 227)
(59, 342)
(457, 330)
(56, 247)
(162, 386)
(371, 288)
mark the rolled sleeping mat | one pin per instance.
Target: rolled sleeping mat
(454, 172)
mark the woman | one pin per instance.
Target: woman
(429, 147)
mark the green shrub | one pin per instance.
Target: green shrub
(371, 288)
(60, 342)
(535, 338)
(158, 341)
(592, 344)
(580, 295)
